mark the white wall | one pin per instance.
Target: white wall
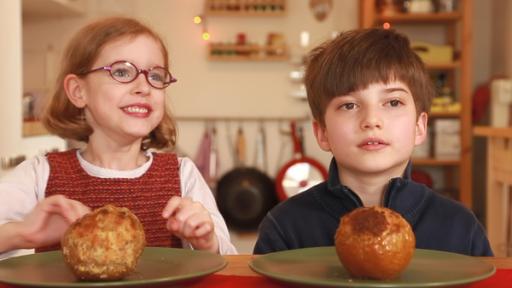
(211, 89)
(10, 76)
(12, 142)
(239, 89)
(221, 88)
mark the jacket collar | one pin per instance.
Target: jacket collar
(402, 195)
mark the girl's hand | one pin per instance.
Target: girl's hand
(48, 221)
(189, 220)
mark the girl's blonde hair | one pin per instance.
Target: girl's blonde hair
(65, 119)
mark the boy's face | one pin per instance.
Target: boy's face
(372, 131)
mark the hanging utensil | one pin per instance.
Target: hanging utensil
(202, 159)
(244, 194)
(320, 8)
(300, 173)
(214, 163)
(240, 147)
(260, 158)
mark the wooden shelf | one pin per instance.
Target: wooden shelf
(499, 184)
(444, 66)
(457, 32)
(435, 162)
(278, 13)
(444, 114)
(245, 8)
(248, 52)
(33, 128)
(276, 49)
(420, 18)
(488, 131)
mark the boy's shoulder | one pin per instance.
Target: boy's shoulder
(428, 201)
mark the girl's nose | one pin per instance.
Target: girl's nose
(142, 86)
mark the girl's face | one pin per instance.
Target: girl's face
(372, 131)
(124, 112)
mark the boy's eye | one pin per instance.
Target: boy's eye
(348, 106)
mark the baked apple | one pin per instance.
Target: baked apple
(374, 243)
(104, 244)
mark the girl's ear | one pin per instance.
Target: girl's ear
(421, 128)
(321, 136)
(73, 86)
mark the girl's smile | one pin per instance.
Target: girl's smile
(137, 110)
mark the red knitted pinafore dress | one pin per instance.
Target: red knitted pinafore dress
(146, 196)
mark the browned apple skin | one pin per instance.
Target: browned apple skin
(374, 243)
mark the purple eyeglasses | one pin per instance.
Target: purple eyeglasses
(126, 72)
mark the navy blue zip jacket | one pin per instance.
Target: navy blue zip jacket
(310, 218)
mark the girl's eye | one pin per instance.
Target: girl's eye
(156, 77)
(395, 103)
(122, 73)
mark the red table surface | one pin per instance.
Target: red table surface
(502, 278)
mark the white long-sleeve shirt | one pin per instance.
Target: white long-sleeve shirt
(25, 186)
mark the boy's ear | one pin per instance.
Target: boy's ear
(421, 128)
(321, 136)
(73, 86)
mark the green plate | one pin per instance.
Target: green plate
(320, 266)
(156, 265)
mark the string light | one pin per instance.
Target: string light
(200, 20)
(386, 25)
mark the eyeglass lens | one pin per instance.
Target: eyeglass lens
(126, 72)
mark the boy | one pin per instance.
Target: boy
(369, 94)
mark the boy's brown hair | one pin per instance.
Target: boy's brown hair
(66, 120)
(357, 58)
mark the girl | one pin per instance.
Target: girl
(111, 95)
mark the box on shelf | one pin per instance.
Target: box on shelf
(433, 54)
(447, 126)
(447, 138)
(422, 150)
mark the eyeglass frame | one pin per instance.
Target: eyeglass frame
(139, 71)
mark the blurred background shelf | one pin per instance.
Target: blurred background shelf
(249, 8)
(421, 18)
(455, 26)
(33, 128)
(435, 162)
(247, 52)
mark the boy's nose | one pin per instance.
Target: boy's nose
(371, 125)
(371, 120)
